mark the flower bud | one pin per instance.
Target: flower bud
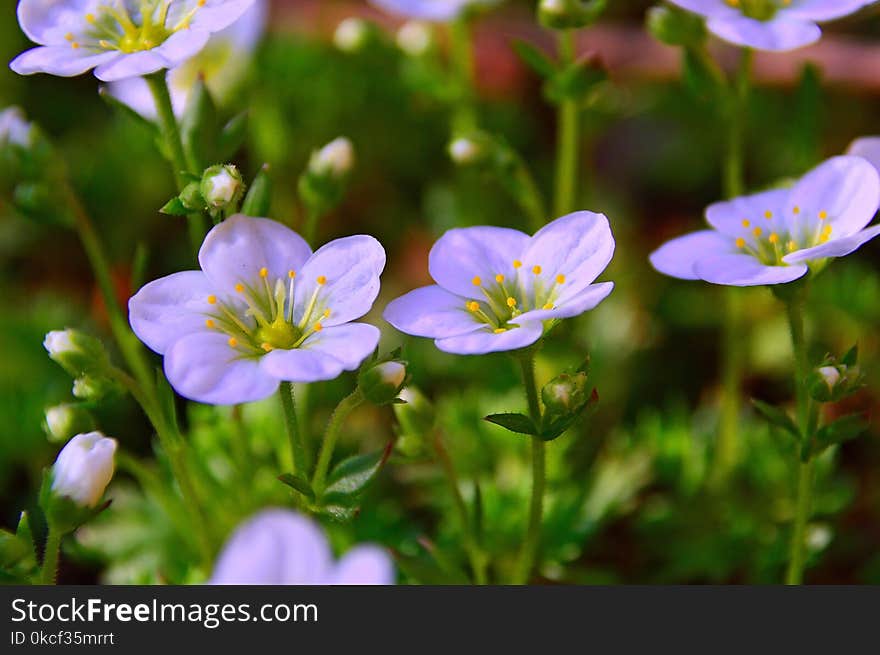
(565, 394)
(351, 35)
(335, 159)
(222, 187)
(465, 151)
(676, 27)
(832, 381)
(569, 14)
(415, 38)
(65, 420)
(416, 419)
(14, 128)
(93, 388)
(84, 468)
(381, 382)
(76, 352)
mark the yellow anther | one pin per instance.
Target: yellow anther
(536, 270)
(322, 280)
(746, 223)
(795, 210)
(476, 281)
(233, 342)
(517, 263)
(560, 279)
(823, 215)
(826, 231)
(740, 243)
(326, 313)
(792, 246)
(266, 346)
(291, 274)
(74, 45)
(212, 300)
(90, 18)
(768, 214)
(202, 3)
(511, 302)
(773, 238)
(69, 36)
(473, 305)
(239, 287)
(499, 278)
(104, 44)
(548, 305)
(757, 231)
(499, 330)
(209, 324)
(264, 272)
(317, 327)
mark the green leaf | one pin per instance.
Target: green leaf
(199, 127)
(534, 58)
(232, 137)
(259, 196)
(351, 476)
(843, 429)
(851, 358)
(777, 417)
(174, 207)
(514, 422)
(298, 483)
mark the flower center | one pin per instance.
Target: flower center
(268, 322)
(504, 299)
(114, 26)
(758, 9)
(771, 238)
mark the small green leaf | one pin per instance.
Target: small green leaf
(777, 417)
(351, 476)
(174, 207)
(259, 196)
(298, 483)
(843, 429)
(534, 58)
(232, 136)
(514, 422)
(199, 127)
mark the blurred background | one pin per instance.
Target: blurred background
(630, 498)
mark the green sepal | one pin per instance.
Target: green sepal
(575, 82)
(676, 27)
(534, 58)
(174, 207)
(554, 427)
(258, 200)
(519, 423)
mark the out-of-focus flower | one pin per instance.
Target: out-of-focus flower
(866, 147)
(434, 10)
(62, 421)
(464, 151)
(336, 158)
(222, 64)
(222, 186)
(76, 352)
(498, 289)
(281, 547)
(775, 25)
(84, 468)
(351, 34)
(118, 38)
(415, 38)
(263, 309)
(14, 128)
(775, 236)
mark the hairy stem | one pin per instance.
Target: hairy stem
(331, 436)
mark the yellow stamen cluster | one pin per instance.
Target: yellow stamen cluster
(769, 250)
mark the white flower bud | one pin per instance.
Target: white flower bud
(336, 158)
(222, 186)
(14, 127)
(59, 342)
(414, 38)
(464, 151)
(392, 373)
(62, 421)
(84, 468)
(350, 35)
(830, 374)
(381, 382)
(556, 7)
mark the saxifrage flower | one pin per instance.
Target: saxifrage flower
(775, 25)
(281, 547)
(263, 309)
(118, 38)
(433, 10)
(499, 289)
(775, 236)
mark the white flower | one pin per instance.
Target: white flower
(464, 151)
(414, 38)
(14, 127)
(58, 342)
(350, 35)
(336, 158)
(118, 38)
(280, 547)
(84, 468)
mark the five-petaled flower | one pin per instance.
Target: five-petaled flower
(775, 236)
(118, 38)
(434, 10)
(281, 547)
(775, 25)
(262, 310)
(499, 289)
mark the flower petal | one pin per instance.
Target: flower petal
(835, 247)
(463, 254)
(486, 341)
(47, 21)
(776, 35)
(822, 10)
(435, 10)
(575, 305)
(867, 147)
(300, 365)
(350, 270)
(846, 188)
(431, 312)
(351, 343)
(729, 217)
(363, 565)
(240, 246)
(169, 308)
(131, 65)
(745, 271)
(678, 256)
(275, 547)
(216, 15)
(61, 60)
(578, 246)
(203, 367)
(182, 45)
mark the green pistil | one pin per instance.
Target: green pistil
(758, 9)
(279, 334)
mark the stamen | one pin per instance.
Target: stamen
(239, 288)
(473, 305)
(74, 45)
(321, 280)
(773, 238)
(212, 299)
(757, 231)
(746, 223)
(267, 347)
(536, 270)
(560, 279)
(768, 215)
(823, 215)
(517, 263)
(511, 302)
(69, 36)
(209, 324)
(792, 246)
(476, 281)
(499, 278)
(499, 330)
(796, 210)
(740, 243)
(291, 274)
(233, 342)
(264, 272)
(317, 327)
(548, 306)
(90, 18)
(326, 313)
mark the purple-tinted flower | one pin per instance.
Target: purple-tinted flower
(434, 10)
(14, 128)
(118, 38)
(867, 147)
(84, 468)
(774, 237)
(263, 309)
(499, 289)
(775, 25)
(280, 547)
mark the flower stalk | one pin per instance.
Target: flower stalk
(346, 406)
(49, 570)
(298, 452)
(568, 135)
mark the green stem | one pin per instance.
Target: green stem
(568, 136)
(462, 57)
(50, 556)
(241, 446)
(171, 135)
(797, 551)
(298, 453)
(536, 505)
(331, 436)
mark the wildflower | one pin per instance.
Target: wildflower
(84, 468)
(866, 147)
(383, 381)
(351, 35)
(775, 25)
(62, 421)
(464, 151)
(263, 309)
(118, 39)
(221, 64)
(335, 159)
(415, 38)
(222, 186)
(433, 10)
(14, 128)
(775, 236)
(499, 289)
(281, 547)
